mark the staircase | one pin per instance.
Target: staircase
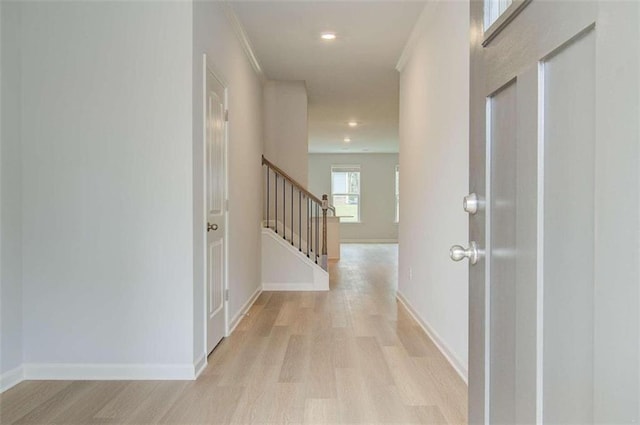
(294, 237)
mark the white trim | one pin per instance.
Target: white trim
(419, 27)
(233, 323)
(243, 38)
(459, 367)
(108, 371)
(200, 365)
(350, 241)
(540, 251)
(11, 378)
(307, 286)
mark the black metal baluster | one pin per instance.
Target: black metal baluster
(299, 220)
(317, 232)
(308, 227)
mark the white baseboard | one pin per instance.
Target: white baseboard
(368, 240)
(233, 323)
(292, 287)
(11, 378)
(103, 372)
(200, 365)
(437, 340)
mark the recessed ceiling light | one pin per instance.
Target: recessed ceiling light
(353, 123)
(347, 139)
(328, 36)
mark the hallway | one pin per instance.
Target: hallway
(345, 356)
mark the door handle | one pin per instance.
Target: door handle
(211, 227)
(457, 253)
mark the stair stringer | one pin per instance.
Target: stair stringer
(285, 268)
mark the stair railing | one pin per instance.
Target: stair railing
(295, 213)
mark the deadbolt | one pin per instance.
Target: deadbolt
(471, 203)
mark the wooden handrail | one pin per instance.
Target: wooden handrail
(313, 219)
(293, 181)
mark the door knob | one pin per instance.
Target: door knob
(458, 253)
(211, 227)
(471, 203)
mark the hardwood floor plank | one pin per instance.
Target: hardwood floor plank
(296, 359)
(320, 380)
(47, 411)
(127, 401)
(161, 399)
(22, 399)
(372, 362)
(321, 411)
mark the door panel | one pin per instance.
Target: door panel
(216, 278)
(569, 139)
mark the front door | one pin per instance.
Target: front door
(554, 153)
(215, 151)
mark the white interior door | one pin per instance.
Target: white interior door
(215, 187)
(554, 152)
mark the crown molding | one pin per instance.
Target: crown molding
(243, 38)
(416, 32)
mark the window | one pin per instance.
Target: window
(345, 192)
(493, 9)
(498, 14)
(397, 193)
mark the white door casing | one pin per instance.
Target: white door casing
(554, 158)
(215, 95)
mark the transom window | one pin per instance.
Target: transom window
(345, 192)
(493, 9)
(498, 14)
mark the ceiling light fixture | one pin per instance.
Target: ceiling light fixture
(347, 139)
(328, 36)
(353, 123)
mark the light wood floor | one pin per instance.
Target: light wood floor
(350, 355)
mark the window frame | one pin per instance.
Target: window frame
(346, 168)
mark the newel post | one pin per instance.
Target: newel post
(325, 207)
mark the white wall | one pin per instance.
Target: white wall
(434, 105)
(107, 184)
(10, 193)
(377, 193)
(214, 35)
(286, 127)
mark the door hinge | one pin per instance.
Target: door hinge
(226, 295)
(226, 115)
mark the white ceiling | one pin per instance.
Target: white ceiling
(351, 78)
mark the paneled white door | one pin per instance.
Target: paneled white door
(215, 187)
(554, 160)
